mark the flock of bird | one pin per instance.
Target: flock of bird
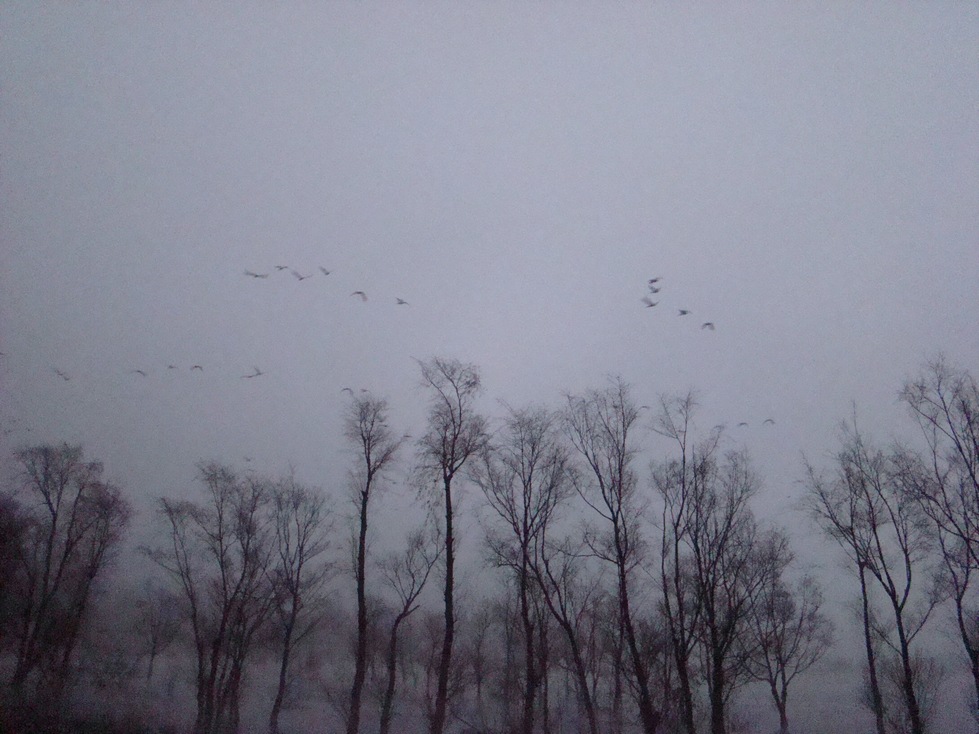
(654, 288)
(300, 277)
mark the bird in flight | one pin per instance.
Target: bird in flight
(171, 366)
(141, 373)
(256, 373)
(61, 374)
(707, 325)
(347, 389)
(196, 367)
(299, 277)
(654, 289)
(649, 302)
(682, 312)
(363, 296)
(769, 422)
(324, 270)
(280, 268)
(402, 302)
(742, 423)
(250, 274)
(653, 281)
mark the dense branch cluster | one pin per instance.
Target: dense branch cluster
(610, 600)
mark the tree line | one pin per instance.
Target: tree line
(627, 600)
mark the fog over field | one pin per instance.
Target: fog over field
(290, 257)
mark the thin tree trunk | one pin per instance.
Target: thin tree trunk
(387, 704)
(445, 659)
(877, 701)
(531, 678)
(648, 715)
(911, 699)
(280, 692)
(360, 663)
(717, 722)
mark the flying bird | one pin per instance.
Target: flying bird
(649, 302)
(363, 296)
(256, 373)
(324, 270)
(299, 277)
(682, 312)
(654, 289)
(707, 325)
(280, 268)
(196, 367)
(256, 275)
(141, 373)
(742, 423)
(402, 302)
(347, 389)
(61, 374)
(653, 281)
(171, 366)
(768, 422)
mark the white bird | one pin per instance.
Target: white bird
(299, 277)
(256, 373)
(141, 373)
(707, 325)
(363, 296)
(196, 367)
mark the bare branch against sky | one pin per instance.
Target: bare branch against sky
(216, 221)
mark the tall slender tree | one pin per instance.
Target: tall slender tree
(945, 481)
(599, 425)
(866, 510)
(70, 522)
(456, 432)
(219, 555)
(366, 428)
(303, 522)
(524, 477)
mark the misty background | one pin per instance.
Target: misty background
(803, 177)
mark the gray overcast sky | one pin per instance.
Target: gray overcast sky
(804, 175)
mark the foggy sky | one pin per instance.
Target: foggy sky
(805, 177)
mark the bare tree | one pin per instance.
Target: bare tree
(366, 427)
(879, 526)
(567, 593)
(678, 481)
(790, 635)
(945, 403)
(455, 434)
(71, 522)
(303, 523)
(219, 555)
(524, 477)
(406, 575)
(159, 620)
(598, 425)
(715, 560)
